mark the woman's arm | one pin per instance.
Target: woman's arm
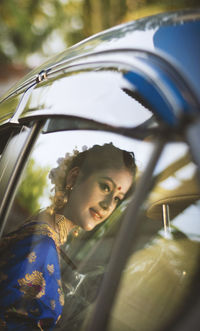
(30, 285)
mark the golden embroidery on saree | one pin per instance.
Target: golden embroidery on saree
(31, 257)
(59, 317)
(37, 229)
(59, 282)
(61, 297)
(50, 268)
(33, 285)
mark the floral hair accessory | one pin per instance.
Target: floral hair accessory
(58, 175)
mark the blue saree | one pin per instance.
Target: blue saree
(31, 296)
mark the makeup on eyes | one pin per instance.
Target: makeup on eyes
(104, 186)
(107, 187)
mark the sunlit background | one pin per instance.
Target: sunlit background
(33, 30)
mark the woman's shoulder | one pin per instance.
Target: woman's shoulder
(39, 228)
(31, 229)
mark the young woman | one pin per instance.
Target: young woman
(88, 188)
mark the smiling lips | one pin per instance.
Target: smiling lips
(95, 214)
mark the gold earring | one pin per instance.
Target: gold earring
(59, 199)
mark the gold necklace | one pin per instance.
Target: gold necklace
(63, 227)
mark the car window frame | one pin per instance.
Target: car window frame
(11, 174)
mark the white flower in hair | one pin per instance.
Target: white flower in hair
(58, 175)
(60, 160)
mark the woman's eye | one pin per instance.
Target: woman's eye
(105, 187)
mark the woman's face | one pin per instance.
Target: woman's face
(94, 199)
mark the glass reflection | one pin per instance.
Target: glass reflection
(160, 275)
(61, 228)
(107, 90)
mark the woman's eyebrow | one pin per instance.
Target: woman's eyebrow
(109, 179)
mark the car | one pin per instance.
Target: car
(137, 86)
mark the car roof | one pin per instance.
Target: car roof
(174, 35)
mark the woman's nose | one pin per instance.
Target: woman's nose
(106, 203)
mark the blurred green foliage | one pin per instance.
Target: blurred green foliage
(29, 26)
(32, 187)
(142, 8)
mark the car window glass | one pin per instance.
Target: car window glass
(83, 258)
(14, 144)
(165, 248)
(5, 135)
(105, 97)
(159, 277)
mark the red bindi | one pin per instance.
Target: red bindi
(119, 188)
